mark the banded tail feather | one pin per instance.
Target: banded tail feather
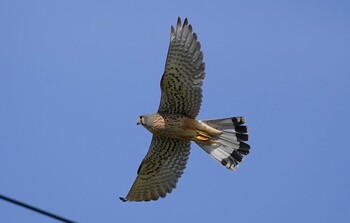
(229, 147)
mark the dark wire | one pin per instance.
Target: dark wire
(35, 209)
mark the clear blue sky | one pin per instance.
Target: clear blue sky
(75, 75)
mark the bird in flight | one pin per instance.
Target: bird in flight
(174, 126)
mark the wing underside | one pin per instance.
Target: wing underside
(181, 84)
(160, 169)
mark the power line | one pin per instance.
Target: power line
(35, 209)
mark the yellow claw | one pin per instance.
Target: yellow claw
(202, 136)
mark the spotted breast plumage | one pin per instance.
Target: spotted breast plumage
(174, 126)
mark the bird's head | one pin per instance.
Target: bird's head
(147, 121)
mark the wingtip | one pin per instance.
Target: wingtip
(190, 28)
(178, 25)
(123, 199)
(172, 33)
(185, 22)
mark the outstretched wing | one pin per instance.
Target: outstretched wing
(183, 77)
(160, 169)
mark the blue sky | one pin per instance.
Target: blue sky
(75, 75)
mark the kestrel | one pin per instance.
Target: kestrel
(174, 126)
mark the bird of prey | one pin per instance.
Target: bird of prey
(174, 126)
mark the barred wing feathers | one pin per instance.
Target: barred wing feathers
(181, 84)
(160, 169)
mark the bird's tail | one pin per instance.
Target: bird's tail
(229, 147)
